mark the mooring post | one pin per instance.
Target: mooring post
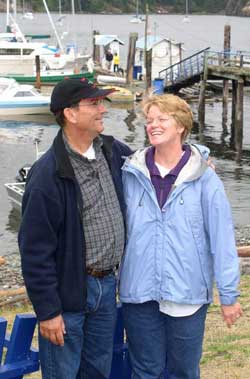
(96, 48)
(234, 99)
(148, 68)
(239, 119)
(38, 72)
(227, 46)
(131, 56)
(201, 106)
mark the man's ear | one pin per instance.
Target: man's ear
(70, 114)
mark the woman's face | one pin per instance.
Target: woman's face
(162, 128)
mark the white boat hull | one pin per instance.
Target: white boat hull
(15, 193)
(21, 99)
(21, 109)
(105, 79)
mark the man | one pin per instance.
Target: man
(109, 59)
(72, 236)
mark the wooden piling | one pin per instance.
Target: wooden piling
(239, 119)
(201, 106)
(2, 261)
(148, 68)
(38, 72)
(131, 56)
(234, 98)
(244, 251)
(96, 48)
(227, 46)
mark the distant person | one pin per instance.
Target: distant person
(116, 62)
(71, 237)
(109, 59)
(180, 239)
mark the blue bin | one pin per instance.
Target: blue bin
(136, 71)
(158, 85)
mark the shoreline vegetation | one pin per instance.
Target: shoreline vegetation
(118, 7)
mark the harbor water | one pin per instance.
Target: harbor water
(18, 136)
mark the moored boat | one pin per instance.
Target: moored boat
(52, 77)
(18, 98)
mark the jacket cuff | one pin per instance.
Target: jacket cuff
(228, 300)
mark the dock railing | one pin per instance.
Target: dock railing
(185, 69)
(228, 58)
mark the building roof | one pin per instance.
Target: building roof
(106, 39)
(152, 41)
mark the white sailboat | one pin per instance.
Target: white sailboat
(28, 15)
(186, 18)
(61, 17)
(136, 19)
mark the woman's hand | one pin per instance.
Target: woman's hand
(230, 313)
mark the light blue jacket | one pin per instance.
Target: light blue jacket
(176, 252)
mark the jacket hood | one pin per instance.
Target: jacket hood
(192, 170)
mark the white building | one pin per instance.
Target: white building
(108, 42)
(165, 53)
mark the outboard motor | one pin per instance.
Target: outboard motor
(22, 173)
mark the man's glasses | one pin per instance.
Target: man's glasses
(95, 103)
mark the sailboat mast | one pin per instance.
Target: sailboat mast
(73, 7)
(8, 16)
(186, 7)
(137, 9)
(53, 25)
(14, 9)
(60, 7)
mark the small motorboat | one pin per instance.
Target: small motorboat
(21, 99)
(28, 16)
(15, 190)
(136, 20)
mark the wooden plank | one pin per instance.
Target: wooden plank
(244, 251)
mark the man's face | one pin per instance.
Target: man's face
(88, 117)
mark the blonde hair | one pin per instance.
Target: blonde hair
(174, 106)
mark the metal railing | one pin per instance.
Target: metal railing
(228, 58)
(185, 69)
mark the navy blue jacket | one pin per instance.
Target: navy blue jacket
(51, 238)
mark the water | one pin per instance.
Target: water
(17, 137)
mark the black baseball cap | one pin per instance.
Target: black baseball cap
(71, 91)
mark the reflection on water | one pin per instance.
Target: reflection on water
(14, 219)
(17, 147)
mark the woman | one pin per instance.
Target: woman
(179, 239)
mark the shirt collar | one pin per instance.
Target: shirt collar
(153, 169)
(97, 144)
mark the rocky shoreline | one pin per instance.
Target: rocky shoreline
(11, 277)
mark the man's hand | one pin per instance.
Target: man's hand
(53, 330)
(230, 313)
(210, 163)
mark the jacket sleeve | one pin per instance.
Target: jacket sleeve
(38, 242)
(220, 231)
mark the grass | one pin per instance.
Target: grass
(226, 352)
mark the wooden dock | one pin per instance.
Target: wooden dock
(213, 65)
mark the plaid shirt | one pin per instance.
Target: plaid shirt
(102, 218)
